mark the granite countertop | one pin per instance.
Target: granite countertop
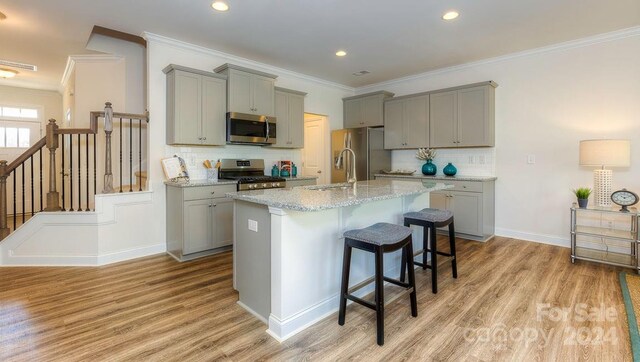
(314, 198)
(198, 183)
(300, 178)
(441, 177)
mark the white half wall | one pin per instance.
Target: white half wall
(547, 101)
(118, 230)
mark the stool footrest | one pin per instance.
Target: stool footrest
(396, 282)
(361, 285)
(361, 301)
(422, 265)
(372, 305)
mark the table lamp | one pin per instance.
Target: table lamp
(604, 153)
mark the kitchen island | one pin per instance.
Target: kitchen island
(288, 245)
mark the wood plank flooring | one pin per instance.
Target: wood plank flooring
(505, 305)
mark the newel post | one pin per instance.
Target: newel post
(108, 128)
(53, 197)
(4, 230)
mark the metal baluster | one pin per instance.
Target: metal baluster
(14, 198)
(41, 206)
(70, 172)
(32, 198)
(120, 154)
(22, 193)
(62, 173)
(86, 139)
(95, 174)
(130, 155)
(140, 155)
(79, 176)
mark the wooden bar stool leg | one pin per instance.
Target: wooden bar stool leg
(412, 280)
(379, 296)
(344, 287)
(434, 259)
(403, 264)
(425, 246)
(452, 245)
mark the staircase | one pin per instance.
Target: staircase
(64, 170)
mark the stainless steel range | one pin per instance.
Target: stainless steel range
(249, 174)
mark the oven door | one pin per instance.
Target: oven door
(250, 129)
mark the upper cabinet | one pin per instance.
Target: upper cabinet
(463, 116)
(196, 107)
(366, 110)
(249, 91)
(290, 118)
(406, 122)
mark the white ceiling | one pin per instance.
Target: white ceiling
(389, 38)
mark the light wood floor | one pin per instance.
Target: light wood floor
(156, 309)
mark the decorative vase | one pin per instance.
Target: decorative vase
(449, 169)
(582, 203)
(429, 168)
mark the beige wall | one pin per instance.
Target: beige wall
(50, 101)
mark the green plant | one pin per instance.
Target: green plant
(582, 192)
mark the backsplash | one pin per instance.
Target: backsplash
(195, 156)
(468, 161)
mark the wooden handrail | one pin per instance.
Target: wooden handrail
(23, 157)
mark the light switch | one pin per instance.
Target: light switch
(531, 159)
(471, 160)
(253, 225)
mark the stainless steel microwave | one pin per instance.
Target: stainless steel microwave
(245, 128)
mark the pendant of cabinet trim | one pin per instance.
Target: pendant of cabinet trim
(249, 91)
(196, 107)
(289, 118)
(463, 116)
(365, 110)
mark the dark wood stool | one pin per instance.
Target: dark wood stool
(379, 238)
(430, 219)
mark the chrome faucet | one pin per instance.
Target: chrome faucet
(351, 174)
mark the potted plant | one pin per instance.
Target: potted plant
(582, 193)
(427, 154)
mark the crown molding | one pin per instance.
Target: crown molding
(572, 44)
(84, 58)
(151, 37)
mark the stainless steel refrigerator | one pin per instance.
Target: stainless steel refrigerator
(368, 145)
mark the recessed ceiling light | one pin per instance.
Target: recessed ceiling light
(450, 15)
(360, 73)
(7, 73)
(2, 16)
(341, 53)
(220, 6)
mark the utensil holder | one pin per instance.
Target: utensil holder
(212, 174)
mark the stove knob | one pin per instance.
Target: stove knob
(264, 185)
(252, 187)
(273, 184)
(277, 184)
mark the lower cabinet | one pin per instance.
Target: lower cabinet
(199, 220)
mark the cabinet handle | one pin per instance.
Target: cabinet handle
(210, 205)
(200, 138)
(213, 192)
(204, 138)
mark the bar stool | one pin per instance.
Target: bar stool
(430, 219)
(379, 238)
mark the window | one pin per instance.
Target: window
(16, 112)
(15, 137)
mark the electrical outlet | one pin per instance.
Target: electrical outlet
(481, 159)
(610, 224)
(471, 160)
(253, 225)
(531, 159)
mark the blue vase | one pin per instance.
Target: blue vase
(429, 168)
(449, 169)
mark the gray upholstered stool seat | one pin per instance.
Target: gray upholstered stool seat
(381, 233)
(431, 215)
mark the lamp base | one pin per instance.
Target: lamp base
(602, 180)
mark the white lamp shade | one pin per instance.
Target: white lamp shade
(612, 153)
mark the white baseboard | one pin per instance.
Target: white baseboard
(253, 312)
(134, 253)
(538, 238)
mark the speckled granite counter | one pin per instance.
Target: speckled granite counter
(197, 183)
(419, 176)
(323, 197)
(301, 178)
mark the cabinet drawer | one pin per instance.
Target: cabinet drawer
(206, 192)
(473, 186)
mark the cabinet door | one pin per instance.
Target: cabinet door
(188, 108)
(263, 95)
(239, 92)
(416, 122)
(296, 121)
(214, 104)
(438, 200)
(473, 117)
(372, 111)
(393, 125)
(352, 113)
(222, 223)
(282, 119)
(467, 212)
(197, 226)
(443, 119)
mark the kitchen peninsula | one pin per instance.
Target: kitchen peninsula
(288, 245)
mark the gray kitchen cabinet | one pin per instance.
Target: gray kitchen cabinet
(249, 91)
(196, 107)
(463, 116)
(366, 110)
(406, 122)
(290, 118)
(199, 220)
